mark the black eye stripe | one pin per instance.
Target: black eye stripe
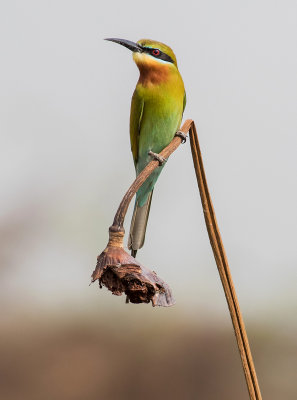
(161, 56)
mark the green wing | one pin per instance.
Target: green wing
(185, 102)
(136, 113)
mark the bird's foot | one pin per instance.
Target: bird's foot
(182, 135)
(156, 156)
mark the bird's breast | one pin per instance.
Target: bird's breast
(160, 120)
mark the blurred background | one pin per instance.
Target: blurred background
(65, 164)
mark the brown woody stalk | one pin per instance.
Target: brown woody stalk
(224, 271)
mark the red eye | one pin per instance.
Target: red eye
(156, 52)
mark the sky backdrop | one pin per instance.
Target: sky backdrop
(66, 161)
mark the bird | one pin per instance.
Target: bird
(157, 107)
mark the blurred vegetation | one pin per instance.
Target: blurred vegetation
(112, 359)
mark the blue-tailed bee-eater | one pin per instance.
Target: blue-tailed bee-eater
(157, 108)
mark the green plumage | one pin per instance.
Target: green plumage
(157, 107)
(159, 111)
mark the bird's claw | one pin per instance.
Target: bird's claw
(156, 156)
(182, 135)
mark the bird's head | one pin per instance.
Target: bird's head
(149, 54)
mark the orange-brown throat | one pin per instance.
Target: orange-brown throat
(152, 74)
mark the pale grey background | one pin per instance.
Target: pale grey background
(66, 161)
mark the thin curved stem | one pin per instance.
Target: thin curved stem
(145, 173)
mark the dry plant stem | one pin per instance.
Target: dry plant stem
(120, 272)
(215, 240)
(145, 173)
(224, 271)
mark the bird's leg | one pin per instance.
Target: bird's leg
(182, 135)
(156, 156)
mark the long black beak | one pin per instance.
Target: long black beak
(127, 43)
